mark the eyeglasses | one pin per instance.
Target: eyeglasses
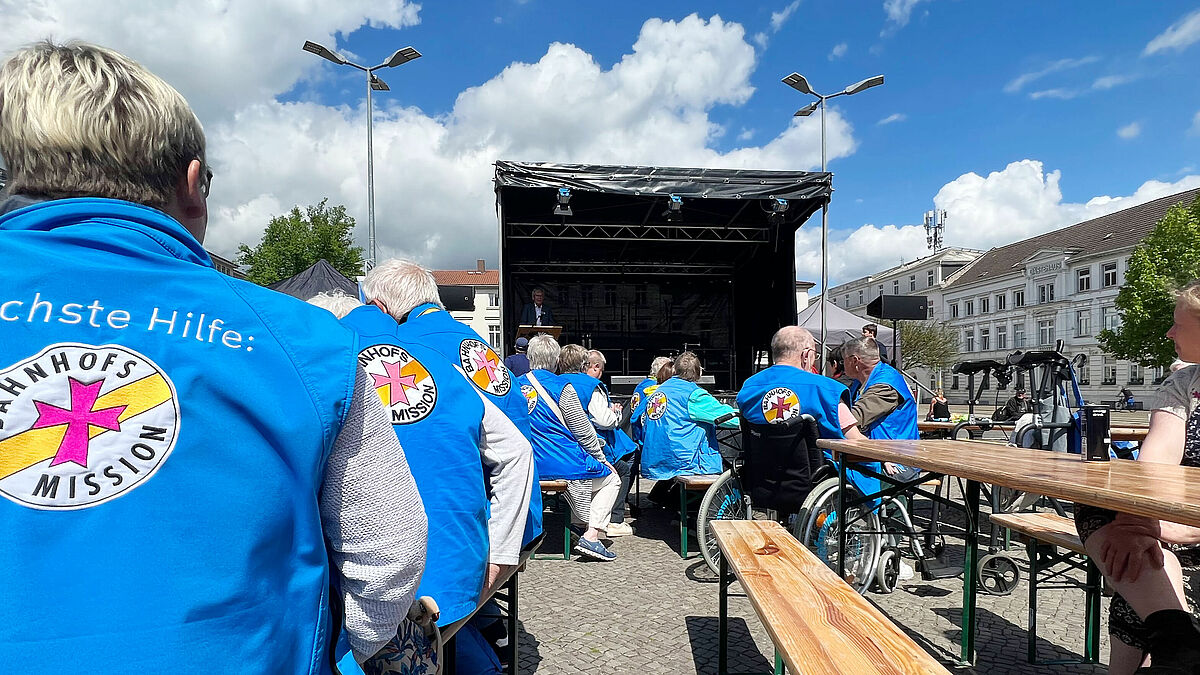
(206, 186)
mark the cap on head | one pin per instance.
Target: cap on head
(522, 342)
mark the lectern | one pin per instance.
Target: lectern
(529, 331)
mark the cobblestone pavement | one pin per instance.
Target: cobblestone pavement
(652, 612)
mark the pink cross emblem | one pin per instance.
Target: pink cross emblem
(781, 407)
(80, 418)
(483, 362)
(397, 382)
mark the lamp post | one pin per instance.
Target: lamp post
(796, 81)
(398, 58)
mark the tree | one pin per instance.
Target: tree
(1166, 259)
(292, 243)
(927, 344)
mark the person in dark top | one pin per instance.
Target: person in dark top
(939, 407)
(872, 331)
(1016, 406)
(537, 313)
(518, 363)
(1124, 399)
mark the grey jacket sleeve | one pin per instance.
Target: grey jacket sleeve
(875, 403)
(508, 470)
(374, 522)
(578, 423)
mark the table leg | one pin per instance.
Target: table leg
(513, 642)
(970, 563)
(779, 669)
(1091, 641)
(723, 619)
(683, 528)
(841, 519)
(450, 656)
(1032, 547)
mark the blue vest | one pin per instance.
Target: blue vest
(782, 392)
(437, 416)
(636, 422)
(616, 443)
(559, 455)
(902, 422)
(433, 327)
(675, 445)
(164, 432)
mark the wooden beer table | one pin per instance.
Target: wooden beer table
(1162, 491)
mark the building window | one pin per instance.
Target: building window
(1018, 335)
(1019, 298)
(984, 305)
(1001, 302)
(880, 290)
(1083, 322)
(954, 310)
(1001, 337)
(929, 278)
(1135, 374)
(847, 299)
(985, 339)
(1083, 280)
(896, 287)
(1084, 375)
(1110, 274)
(833, 300)
(969, 308)
(1160, 374)
(1045, 293)
(912, 282)
(954, 382)
(930, 311)
(494, 335)
(493, 299)
(860, 297)
(1046, 332)
(969, 340)
(1110, 318)
(1110, 372)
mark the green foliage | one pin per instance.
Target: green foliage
(1166, 259)
(292, 243)
(927, 344)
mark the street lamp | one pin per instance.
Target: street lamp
(398, 58)
(799, 83)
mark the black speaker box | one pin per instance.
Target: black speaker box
(900, 307)
(458, 298)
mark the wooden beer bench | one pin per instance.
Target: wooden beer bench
(689, 486)
(818, 623)
(1044, 534)
(557, 489)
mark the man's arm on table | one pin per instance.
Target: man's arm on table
(374, 522)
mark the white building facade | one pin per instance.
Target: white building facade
(923, 276)
(484, 318)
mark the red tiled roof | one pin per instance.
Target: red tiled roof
(466, 277)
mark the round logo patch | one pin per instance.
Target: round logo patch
(530, 395)
(403, 384)
(633, 402)
(780, 405)
(484, 367)
(81, 424)
(656, 405)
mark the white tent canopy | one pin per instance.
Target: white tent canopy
(840, 324)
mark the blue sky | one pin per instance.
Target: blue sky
(1016, 117)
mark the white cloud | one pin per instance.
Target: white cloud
(839, 50)
(1130, 131)
(745, 135)
(1064, 94)
(1018, 202)
(1178, 36)
(1110, 81)
(894, 117)
(898, 13)
(762, 38)
(1055, 67)
(1195, 130)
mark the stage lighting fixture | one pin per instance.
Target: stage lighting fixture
(563, 207)
(778, 208)
(674, 210)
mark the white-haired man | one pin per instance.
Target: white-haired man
(567, 446)
(408, 293)
(184, 454)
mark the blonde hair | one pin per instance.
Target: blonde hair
(78, 120)
(572, 359)
(337, 302)
(401, 285)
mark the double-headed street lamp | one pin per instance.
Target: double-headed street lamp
(398, 58)
(796, 81)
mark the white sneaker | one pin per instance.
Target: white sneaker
(906, 571)
(619, 530)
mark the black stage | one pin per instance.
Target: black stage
(624, 275)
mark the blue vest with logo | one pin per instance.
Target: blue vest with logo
(616, 443)
(559, 455)
(636, 421)
(902, 422)
(675, 445)
(164, 431)
(433, 327)
(437, 416)
(782, 392)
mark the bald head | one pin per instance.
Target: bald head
(791, 345)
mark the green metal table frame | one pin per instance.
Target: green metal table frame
(559, 503)
(685, 502)
(1044, 556)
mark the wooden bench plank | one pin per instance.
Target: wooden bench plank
(554, 485)
(818, 623)
(698, 482)
(1048, 527)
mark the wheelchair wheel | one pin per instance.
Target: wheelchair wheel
(819, 533)
(887, 571)
(724, 500)
(1028, 436)
(998, 574)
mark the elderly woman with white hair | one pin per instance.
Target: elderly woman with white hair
(1154, 611)
(567, 447)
